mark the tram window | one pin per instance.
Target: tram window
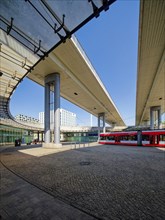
(102, 137)
(162, 137)
(132, 138)
(124, 138)
(110, 138)
(152, 139)
(145, 137)
(121, 138)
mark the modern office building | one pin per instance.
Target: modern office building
(67, 118)
(41, 117)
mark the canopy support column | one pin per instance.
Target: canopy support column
(52, 80)
(47, 114)
(101, 116)
(57, 109)
(156, 109)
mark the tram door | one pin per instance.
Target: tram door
(157, 139)
(154, 139)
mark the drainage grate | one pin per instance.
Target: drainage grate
(85, 163)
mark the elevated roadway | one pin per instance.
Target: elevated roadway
(150, 91)
(80, 83)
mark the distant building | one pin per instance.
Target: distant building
(67, 118)
(24, 118)
(41, 117)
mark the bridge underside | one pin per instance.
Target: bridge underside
(151, 66)
(80, 83)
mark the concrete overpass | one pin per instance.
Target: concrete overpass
(80, 83)
(150, 93)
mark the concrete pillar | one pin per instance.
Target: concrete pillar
(101, 116)
(42, 136)
(152, 110)
(139, 138)
(57, 109)
(52, 79)
(38, 136)
(98, 126)
(104, 128)
(159, 118)
(47, 113)
(151, 119)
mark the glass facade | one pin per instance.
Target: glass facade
(80, 136)
(8, 135)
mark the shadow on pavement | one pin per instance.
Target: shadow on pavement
(105, 181)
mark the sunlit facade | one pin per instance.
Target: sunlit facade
(67, 118)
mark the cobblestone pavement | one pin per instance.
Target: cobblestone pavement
(107, 182)
(23, 201)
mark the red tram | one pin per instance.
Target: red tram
(152, 138)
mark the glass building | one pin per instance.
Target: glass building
(9, 134)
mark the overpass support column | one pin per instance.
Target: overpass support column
(57, 109)
(38, 136)
(104, 128)
(52, 80)
(101, 116)
(47, 114)
(98, 126)
(158, 119)
(139, 138)
(42, 136)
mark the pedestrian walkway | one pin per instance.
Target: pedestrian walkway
(22, 200)
(87, 183)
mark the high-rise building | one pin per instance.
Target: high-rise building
(67, 118)
(41, 117)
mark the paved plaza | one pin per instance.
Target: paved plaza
(93, 182)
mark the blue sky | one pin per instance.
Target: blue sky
(110, 42)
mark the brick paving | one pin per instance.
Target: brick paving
(106, 182)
